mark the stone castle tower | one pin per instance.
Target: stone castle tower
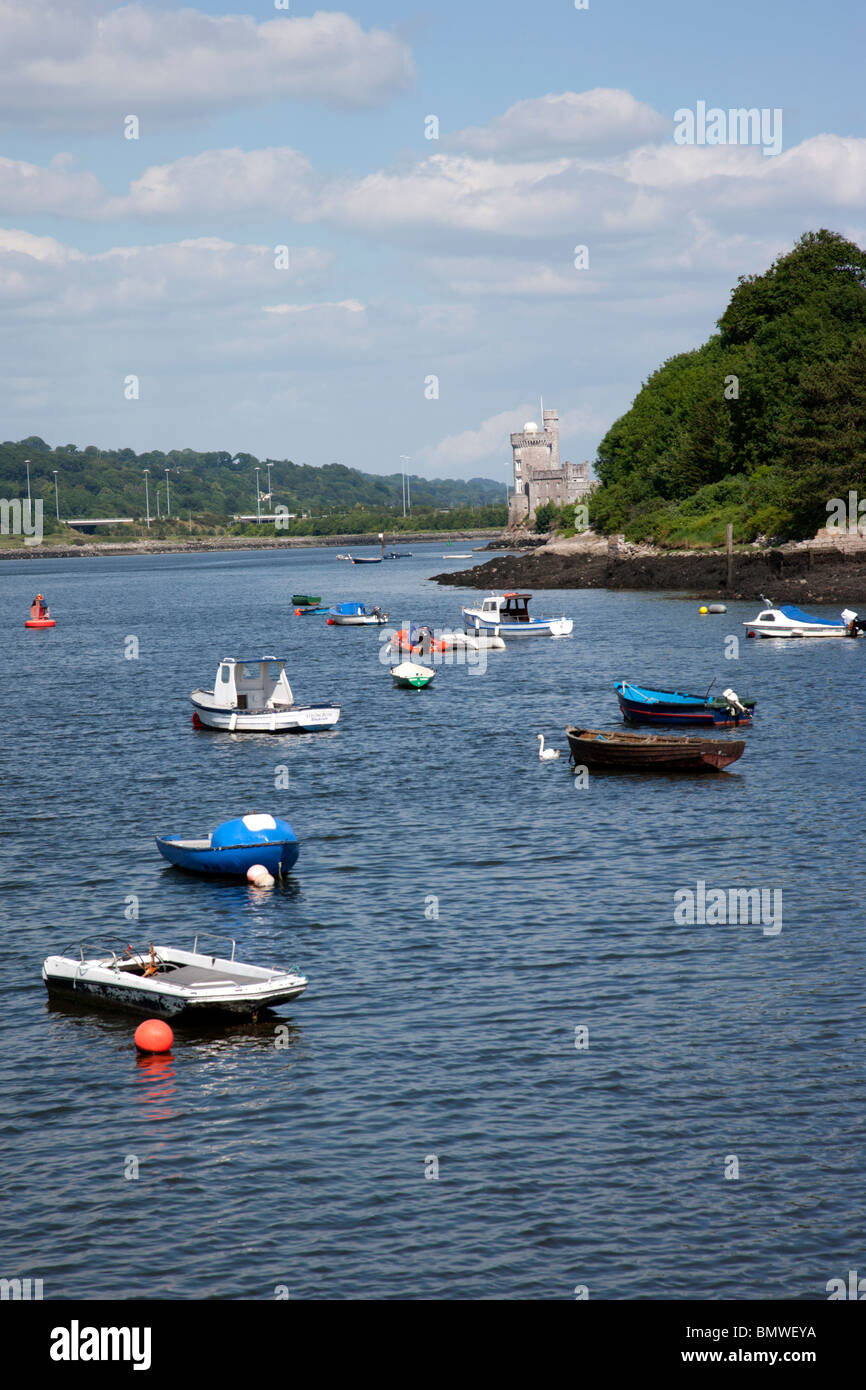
(538, 475)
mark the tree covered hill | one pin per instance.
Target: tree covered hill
(763, 424)
(110, 483)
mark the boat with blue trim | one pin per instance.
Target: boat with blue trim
(788, 621)
(641, 705)
(507, 615)
(234, 847)
(255, 697)
(356, 615)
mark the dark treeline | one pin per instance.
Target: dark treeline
(762, 425)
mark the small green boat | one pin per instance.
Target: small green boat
(412, 676)
(306, 600)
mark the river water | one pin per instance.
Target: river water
(514, 1073)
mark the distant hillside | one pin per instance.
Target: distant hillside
(762, 425)
(110, 482)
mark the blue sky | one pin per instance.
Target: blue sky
(409, 258)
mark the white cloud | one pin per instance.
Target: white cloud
(595, 122)
(91, 63)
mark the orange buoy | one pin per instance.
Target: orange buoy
(297, 612)
(153, 1036)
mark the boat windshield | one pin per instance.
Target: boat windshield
(516, 608)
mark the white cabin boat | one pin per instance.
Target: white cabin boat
(255, 697)
(788, 621)
(167, 982)
(507, 615)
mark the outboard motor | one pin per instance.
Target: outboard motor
(733, 700)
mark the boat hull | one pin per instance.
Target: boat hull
(39, 622)
(536, 627)
(299, 719)
(231, 861)
(685, 711)
(602, 748)
(218, 986)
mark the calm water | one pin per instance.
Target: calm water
(419, 1036)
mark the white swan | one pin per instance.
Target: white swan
(546, 754)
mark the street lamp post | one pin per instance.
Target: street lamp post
(158, 514)
(167, 496)
(404, 459)
(258, 498)
(56, 495)
(29, 499)
(270, 494)
(147, 497)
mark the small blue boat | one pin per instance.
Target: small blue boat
(234, 847)
(356, 615)
(640, 705)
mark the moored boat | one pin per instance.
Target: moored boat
(356, 615)
(234, 847)
(605, 748)
(641, 705)
(788, 621)
(255, 697)
(168, 982)
(307, 612)
(507, 615)
(366, 559)
(306, 600)
(411, 675)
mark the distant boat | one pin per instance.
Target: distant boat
(604, 748)
(399, 555)
(344, 557)
(640, 705)
(507, 615)
(455, 555)
(410, 674)
(167, 982)
(788, 621)
(255, 697)
(356, 615)
(234, 847)
(306, 600)
(305, 612)
(366, 559)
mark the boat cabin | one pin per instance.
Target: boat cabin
(253, 685)
(511, 607)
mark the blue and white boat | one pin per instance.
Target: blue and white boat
(234, 847)
(252, 697)
(356, 615)
(507, 616)
(640, 705)
(788, 621)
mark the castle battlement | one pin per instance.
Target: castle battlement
(538, 476)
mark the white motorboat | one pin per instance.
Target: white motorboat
(788, 621)
(255, 697)
(507, 615)
(165, 981)
(356, 615)
(410, 674)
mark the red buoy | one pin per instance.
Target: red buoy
(153, 1036)
(196, 722)
(330, 622)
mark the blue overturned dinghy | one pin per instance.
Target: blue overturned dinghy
(234, 847)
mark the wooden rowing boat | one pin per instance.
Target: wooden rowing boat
(651, 752)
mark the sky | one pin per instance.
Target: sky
(350, 234)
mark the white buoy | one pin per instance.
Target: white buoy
(258, 874)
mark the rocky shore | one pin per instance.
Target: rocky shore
(798, 573)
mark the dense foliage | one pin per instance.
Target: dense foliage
(208, 489)
(762, 425)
